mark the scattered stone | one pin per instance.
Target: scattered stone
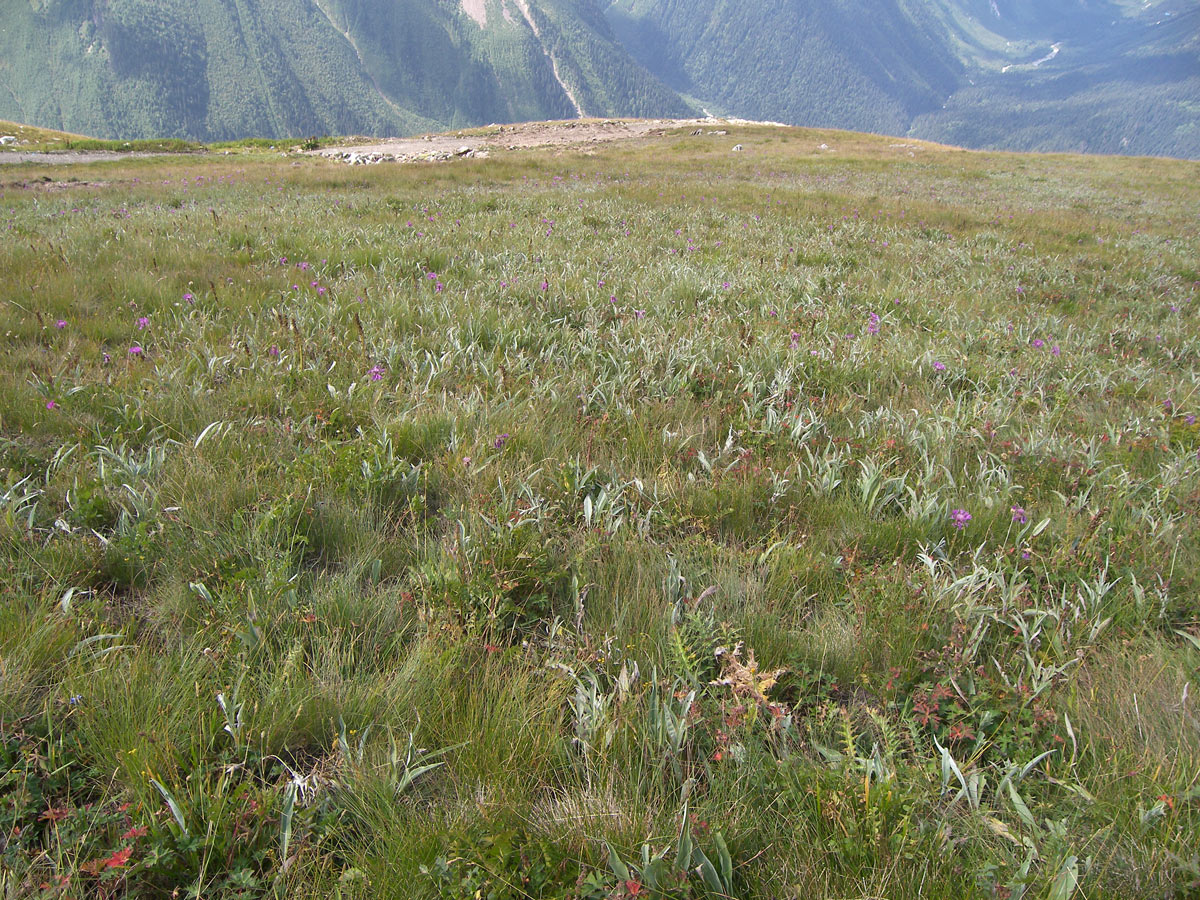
(7, 139)
(738, 148)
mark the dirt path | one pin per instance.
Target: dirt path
(479, 141)
(70, 157)
(573, 133)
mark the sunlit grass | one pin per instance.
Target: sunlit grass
(413, 531)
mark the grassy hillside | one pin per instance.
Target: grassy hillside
(814, 520)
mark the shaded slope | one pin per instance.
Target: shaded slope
(213, 69)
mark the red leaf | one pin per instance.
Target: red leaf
(119, 858)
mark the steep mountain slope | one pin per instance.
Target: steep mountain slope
(860, 64)
(213, 69)
(1091, 75)
(1116, 76)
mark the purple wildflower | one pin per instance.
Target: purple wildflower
(959, 518)
(135, 350)
(940, 366)
(273, 350)
(143, 323)
(1019, 516)
(189, 298)
(376, 373)
(500, 441)
(60, 324)
(1038, 343)
(50, 404)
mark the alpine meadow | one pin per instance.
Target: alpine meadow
(730, 511)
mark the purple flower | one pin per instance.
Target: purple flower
(143, 323)
(376, 373)
(273, 350)
(545, 285)
(50, 404)
(940, 366)
(189, 298)
(639, 314)
(959, 518)
(795, 342)
(1038, 343)
(1019, 516)
(1055, 350)
(60, 324)
(135, 350)
(500, 441)
(1191, 420)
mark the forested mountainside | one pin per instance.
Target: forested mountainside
(213, 69)
(1102, 76)
(1106, 76)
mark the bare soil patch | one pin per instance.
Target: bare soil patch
(569, 134)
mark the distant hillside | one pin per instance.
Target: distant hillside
(214, 69)
(861, 64)
(1106, 76)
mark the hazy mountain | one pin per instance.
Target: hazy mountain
(1092, 75)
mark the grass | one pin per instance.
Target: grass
(586, 525)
